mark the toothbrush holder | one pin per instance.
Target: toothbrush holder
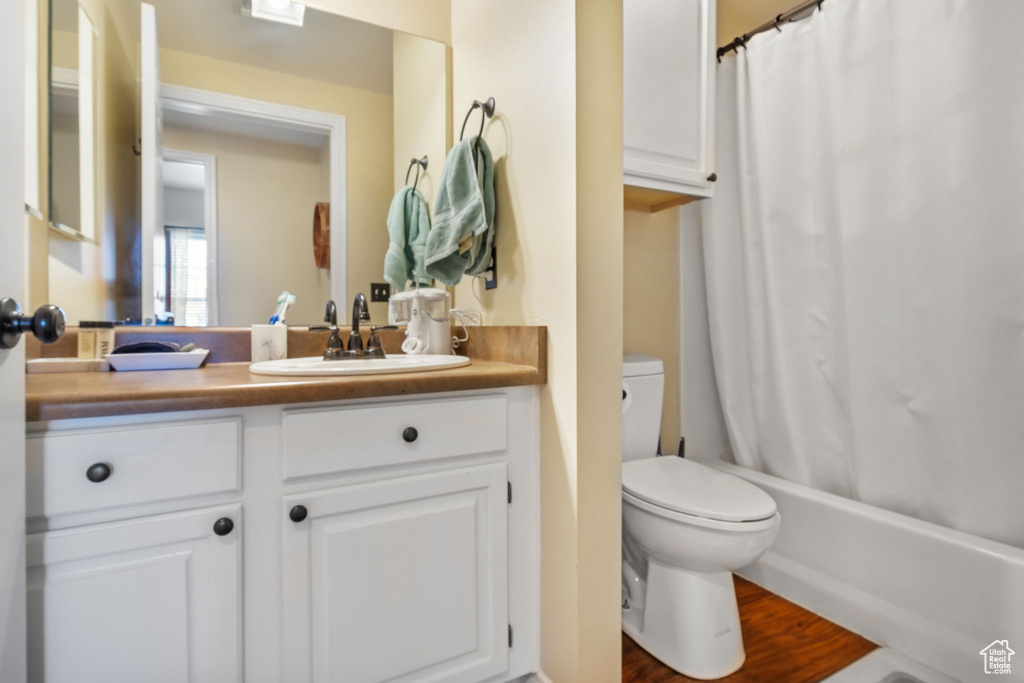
(269, 342)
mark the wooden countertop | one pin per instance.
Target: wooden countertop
(231, 385)
(502, 356)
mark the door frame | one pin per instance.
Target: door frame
(14, 227)
(209, 164)
(247, 110)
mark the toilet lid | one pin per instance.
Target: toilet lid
(694, 489)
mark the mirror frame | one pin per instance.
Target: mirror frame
(84, 84)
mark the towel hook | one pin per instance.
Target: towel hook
(418, 163)
(487, 112)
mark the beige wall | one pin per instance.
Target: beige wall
(266, 191)
(599, 278)
(736, 17)
(36, 232)
(421, 109)
(370, 156)
(651, 303)
(559, 238)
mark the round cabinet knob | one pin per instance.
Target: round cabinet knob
(410, 434)
(713, 177)
(223, 526)
(101, 471)
(298, 513)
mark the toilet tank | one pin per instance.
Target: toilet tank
(643, 389)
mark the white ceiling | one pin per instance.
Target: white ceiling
(328, 47)
(184, 175)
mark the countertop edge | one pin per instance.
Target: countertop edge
(44, 406)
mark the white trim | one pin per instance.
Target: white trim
(209, 163)
(86, 125)
(151, 137)
(230, 107)
(65, 82)
(32, 189)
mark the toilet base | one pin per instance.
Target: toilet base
(690, 621)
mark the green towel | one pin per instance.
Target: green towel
(460, 241)
(408, 226)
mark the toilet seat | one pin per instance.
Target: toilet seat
(704, 522)
(697, 494)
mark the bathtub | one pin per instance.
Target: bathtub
(936, 595)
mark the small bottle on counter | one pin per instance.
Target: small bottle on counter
(87, 339)
(104, 338)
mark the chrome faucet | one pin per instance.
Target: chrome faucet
(331, 314)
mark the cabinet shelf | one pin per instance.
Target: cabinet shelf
(648, 200)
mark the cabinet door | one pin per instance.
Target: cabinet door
(668, 93)
(155, 599)
(400, 581)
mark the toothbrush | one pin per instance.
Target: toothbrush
(283, 302)
(281, 299)
(284, 308)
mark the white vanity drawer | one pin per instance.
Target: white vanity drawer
(324, 441)
(146, 464)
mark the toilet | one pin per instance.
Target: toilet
(686, 528)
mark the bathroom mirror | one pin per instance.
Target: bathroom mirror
(72, 142)
(224, 127)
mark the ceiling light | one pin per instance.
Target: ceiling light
(284, 11)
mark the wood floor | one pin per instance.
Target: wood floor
(784, 644)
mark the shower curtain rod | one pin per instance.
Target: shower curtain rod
(791, 15)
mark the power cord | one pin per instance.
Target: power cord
(464, 318)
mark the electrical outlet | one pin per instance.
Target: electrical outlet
(380, 291)
(491, 275)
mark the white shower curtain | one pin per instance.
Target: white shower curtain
(865, 257)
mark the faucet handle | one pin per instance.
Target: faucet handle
(335, 349)
(374, 346)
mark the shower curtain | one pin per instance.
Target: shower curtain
(864, 257)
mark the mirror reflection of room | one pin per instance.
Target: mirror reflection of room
(72, 129)
(236, 129)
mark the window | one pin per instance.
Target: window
(187, 278)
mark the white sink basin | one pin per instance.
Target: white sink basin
(316, 366)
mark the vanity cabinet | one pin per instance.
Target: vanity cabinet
(150, 599)
(384, 540)
(401, 580)
(668, 97)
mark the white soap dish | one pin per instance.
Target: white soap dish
(186, 360)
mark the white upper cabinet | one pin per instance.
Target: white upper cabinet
(668, 90)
